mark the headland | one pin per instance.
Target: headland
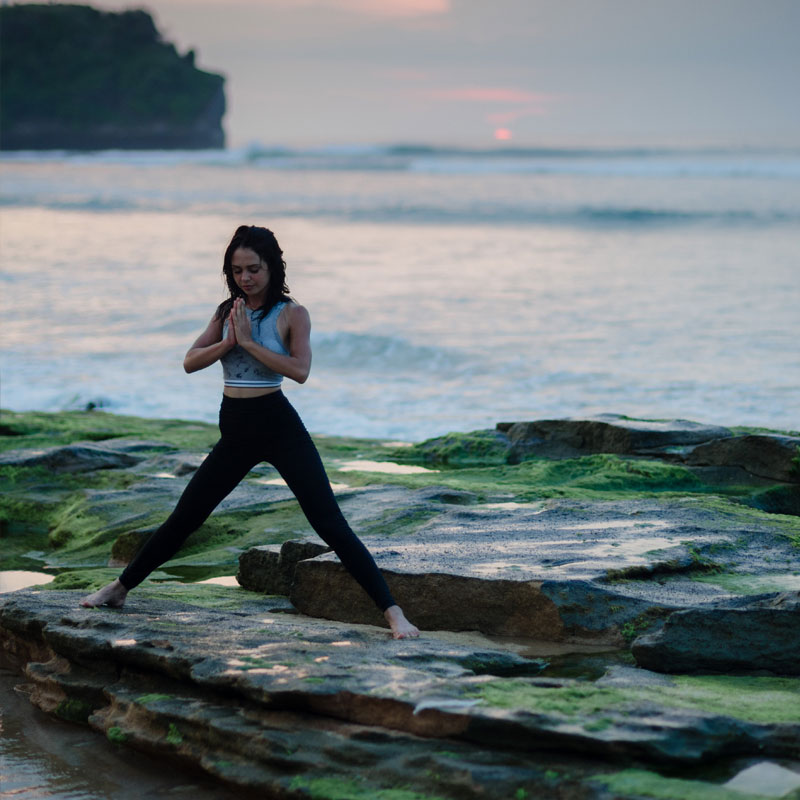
(77, 78)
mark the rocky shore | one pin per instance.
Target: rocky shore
(611, 609)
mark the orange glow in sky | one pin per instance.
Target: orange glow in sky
(502, 134)
(378, 8)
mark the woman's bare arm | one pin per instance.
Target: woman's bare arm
(209, 346)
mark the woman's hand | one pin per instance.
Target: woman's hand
(241, 323)
(295, 330)
(210, 346)
(230, 336)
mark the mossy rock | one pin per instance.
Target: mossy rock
(350, 789)
(39, 429)
(778, 500)
(126, 545)
(640, 783)
(478, 448)
(74, 710)
(765, 700)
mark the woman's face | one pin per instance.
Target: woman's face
(250, 273)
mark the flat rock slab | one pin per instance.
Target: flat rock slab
(605, 433)
(165, 489)
(76, 457)
(554, 570)
(235, 691)
(131, 444)
(746, 634)
(366, 503)
(270, 568)
(771, 456)
(553, 540)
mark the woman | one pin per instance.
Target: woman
(261, 336)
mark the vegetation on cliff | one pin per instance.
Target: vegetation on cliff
(77, 77)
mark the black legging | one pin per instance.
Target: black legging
(256, 429)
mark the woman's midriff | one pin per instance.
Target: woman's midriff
(249, 391)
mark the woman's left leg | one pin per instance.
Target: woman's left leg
(299, 464)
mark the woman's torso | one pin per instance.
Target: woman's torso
(274, 324)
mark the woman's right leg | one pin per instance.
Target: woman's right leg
(220, 473)
(217, 476)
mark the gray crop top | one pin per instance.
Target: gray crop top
(239, 368)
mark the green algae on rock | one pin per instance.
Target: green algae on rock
(340, 789)
(747, 698)
(48, 429)
(116, 735)
(458, 449)
(643, 783)
(74, 710)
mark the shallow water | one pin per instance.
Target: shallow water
(41, 756)
(384, 467)
(447, 294)
(13, 579)
(223, 580)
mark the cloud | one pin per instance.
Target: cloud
(507, 117)
(406, 74)
(378, 8)
(523, 103)
(477, 94)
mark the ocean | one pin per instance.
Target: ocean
(448, 289)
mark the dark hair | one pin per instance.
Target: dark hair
(264, 244)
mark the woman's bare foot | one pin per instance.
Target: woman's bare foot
(112, 595)
(401, 627)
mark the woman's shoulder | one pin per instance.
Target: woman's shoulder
(223, 309)
(293, 310)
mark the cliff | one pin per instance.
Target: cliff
(82, 79)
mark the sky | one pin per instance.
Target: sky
(482, 73)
